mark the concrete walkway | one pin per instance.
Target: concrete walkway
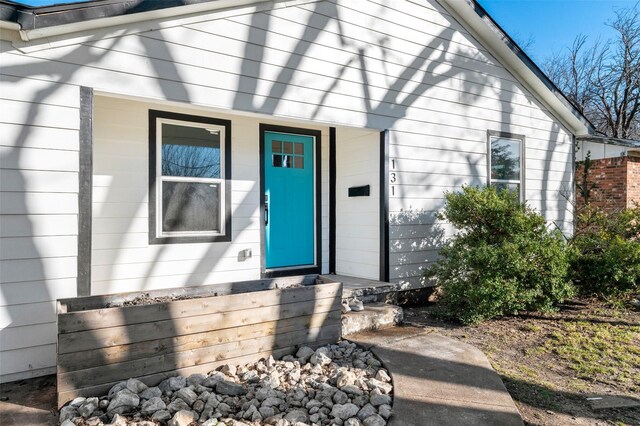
(440, 381)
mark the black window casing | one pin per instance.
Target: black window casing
(154, 115)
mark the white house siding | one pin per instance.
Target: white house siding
(406, 66)
(122, 259)
(357, 218)
(38, 219)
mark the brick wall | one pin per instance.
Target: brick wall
(608, 182)
(633, 181)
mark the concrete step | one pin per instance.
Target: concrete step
(374, 316)
(389, 294)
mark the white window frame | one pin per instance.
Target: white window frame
(160, 179)
(492, 135)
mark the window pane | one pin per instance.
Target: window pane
(276, 146)
(277, 161)
(503, 186)
(298, 162)
(190, 151)
(505, 159)
(298, 148)
(288, 147)
(190, 207)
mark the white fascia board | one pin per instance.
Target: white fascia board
(499, 48)
(179, 12)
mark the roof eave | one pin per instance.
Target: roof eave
(632, 143)
(67, 19)
(501, 45)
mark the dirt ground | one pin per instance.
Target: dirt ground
(29, 402)
(551, 364)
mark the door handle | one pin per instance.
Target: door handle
(266, 214)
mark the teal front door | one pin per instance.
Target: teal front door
(288, 200)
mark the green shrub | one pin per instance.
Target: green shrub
(502, 260)
(607, 252)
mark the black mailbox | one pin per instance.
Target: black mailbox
(359, 191)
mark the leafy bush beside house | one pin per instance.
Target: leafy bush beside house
(503, 259)
(607, 252)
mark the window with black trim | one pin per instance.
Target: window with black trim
(506, 162)
(190, 171)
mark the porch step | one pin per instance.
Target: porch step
(375, 316)
(371, 291)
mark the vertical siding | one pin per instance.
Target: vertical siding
(357, 218)
(405, 66)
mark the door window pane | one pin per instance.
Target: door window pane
(190, 207)
(190, 151)
(288, 147)
(287, 155)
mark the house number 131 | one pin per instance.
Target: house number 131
(392, 177)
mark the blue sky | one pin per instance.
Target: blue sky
(46, 2)
(552, 25)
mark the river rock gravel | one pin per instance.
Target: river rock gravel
(340, 384)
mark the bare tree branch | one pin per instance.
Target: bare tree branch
(603, 79)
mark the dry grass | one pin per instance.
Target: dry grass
(552, 363)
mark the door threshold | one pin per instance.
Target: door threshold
(289, 271)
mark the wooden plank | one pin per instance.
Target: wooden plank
(177, 360)
(181, 279)
(154, 379)
(93, 358)
(28, 336)
(225, 58)
(36, 291)
(25, 359)
(23, 180)
(115, 336)
(38, 159)
(65, 95)
(38, 225)
(19, 112)
(33, 203)
(26, 314)
(172, 310)
(97, 302)
(37, 247)
(155, 268)
(202, 251)
(50, 268)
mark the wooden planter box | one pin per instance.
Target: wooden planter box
(189, 330)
